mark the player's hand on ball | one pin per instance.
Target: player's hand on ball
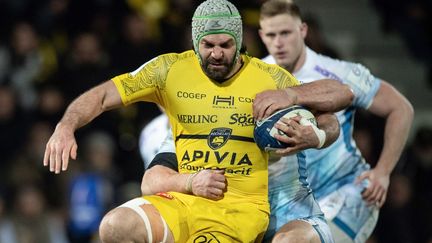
(297, 136)
(267, 102)
(292, 135)
(59, 148)
(210, 184)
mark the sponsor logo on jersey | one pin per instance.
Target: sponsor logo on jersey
(190, 95)
(245, 99)
(223, 102)
(218, 137)
(227, 158)
(360, 79)
(206, 238)
(244, 170)
(326, 73)
(230, 101)
(165, 195)
(243, 120)
(197, 119)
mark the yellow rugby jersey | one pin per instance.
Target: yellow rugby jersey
(212, 123)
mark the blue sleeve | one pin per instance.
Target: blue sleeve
(363, 84)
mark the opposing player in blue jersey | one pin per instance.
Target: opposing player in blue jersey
(347, 189)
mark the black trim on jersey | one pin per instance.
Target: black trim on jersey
(233, 137)
(166, 159)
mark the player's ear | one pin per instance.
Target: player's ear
(303, 29)
(260, 33)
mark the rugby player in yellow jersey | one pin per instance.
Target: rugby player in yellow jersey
(200, 90)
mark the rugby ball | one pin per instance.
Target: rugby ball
(264, 130)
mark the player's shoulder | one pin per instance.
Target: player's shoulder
(163, 62)
(170, 58)
(265, 66)
(269, 59)
(341, 68)
(277, 73)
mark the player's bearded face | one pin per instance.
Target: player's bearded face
(217, 53)
(218, 68)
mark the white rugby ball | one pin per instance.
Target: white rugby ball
(264, 130)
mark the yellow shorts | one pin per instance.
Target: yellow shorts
(196, 219)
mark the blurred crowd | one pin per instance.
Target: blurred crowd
(53, 50)
(412, 21)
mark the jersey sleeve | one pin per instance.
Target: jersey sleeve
(143, 84)
(282, 77)
(363, 84)
(166, 159)
(166, 155)
(285, 79)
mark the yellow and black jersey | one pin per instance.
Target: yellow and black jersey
(212, 122)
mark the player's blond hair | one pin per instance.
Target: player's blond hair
(275, 7)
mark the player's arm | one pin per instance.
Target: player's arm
(398, 113)
(329, 123)
(302, 136)
(162, 176)
(322, 95)
(81, 111)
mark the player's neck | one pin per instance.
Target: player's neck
(300, 61)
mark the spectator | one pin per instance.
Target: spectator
(27, 62)
(91, 188)
(13, 126)
(30, 221)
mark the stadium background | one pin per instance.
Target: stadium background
(53, 50)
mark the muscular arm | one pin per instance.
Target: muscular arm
(81, 111)
(398, 112)
(321, 95)
(163, 168)
(90, 105)
(162, 176)
(324, 95)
